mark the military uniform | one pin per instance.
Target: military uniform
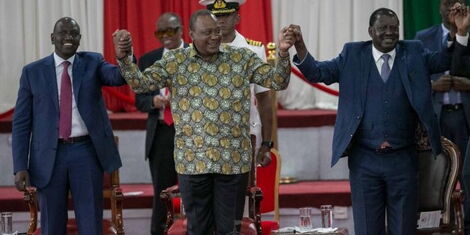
(258, 48)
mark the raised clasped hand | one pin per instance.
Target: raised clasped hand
(460, 16)
(122, 43)
(286, 40)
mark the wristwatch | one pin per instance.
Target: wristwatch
(268, 144)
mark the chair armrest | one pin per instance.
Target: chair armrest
(31, 199)
(255, 195)
(117, 224)
(457, 198)
(166, 196)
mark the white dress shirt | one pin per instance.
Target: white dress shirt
(78, 126)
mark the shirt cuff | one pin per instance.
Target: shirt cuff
(463, 40)
(125, 61)
(299, 63)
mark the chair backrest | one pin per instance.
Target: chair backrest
(267, 179)
(437, 179)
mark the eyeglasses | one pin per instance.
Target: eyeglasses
(169, 32)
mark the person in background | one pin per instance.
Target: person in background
(460, 68)
(62, 138)
(451, 96)
(159, 143)
(261, 111)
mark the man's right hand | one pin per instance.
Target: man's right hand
(461, 18)
(160, 101)
(443, 84)
(299, 41)
(122, 43)
(22, 180)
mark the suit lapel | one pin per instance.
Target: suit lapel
(438, 38)
(400, 62)
(366, 61)
(77, 73)
(50, 75)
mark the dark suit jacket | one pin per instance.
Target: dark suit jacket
(144, 102)
(36, 118)
(460, 61)
(432, 39)
(351, 70)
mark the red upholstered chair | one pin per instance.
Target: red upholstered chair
(262, 198)
(112, 195)
(267, 179)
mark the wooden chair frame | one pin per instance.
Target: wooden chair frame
(451, 213)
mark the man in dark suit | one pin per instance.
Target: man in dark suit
(159, 143)
(62, 138)
(385, 92)
(451, 96)
(460, 68)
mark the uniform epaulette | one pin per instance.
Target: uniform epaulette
(254, 43)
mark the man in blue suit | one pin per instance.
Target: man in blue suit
(385, 91)
(62, 137)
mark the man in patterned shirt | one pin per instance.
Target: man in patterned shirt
(211, 108)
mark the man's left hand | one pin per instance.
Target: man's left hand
(286, 41)
(461, 83)
(264, 156)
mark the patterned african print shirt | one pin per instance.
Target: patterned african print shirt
(210, 103)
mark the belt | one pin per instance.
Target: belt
(72, 140)
(385, 150)
(452, 107)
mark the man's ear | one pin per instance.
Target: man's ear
(237, 18)
(371, 31)
(52, 38)
(191, 35)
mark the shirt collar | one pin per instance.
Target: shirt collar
(238, 41)
(377, 54)
(445, 31)
(58, 60)
(193, 50)
(165, 50)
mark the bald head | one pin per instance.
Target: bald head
(65, 20)
(66, 37)
(169, 18)
(169, 30)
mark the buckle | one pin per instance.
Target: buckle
(384, 150)
(72, 140)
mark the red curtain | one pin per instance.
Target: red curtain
(139, 18)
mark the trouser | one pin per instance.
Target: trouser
(76, 169)
(213, 202)
(384, 184)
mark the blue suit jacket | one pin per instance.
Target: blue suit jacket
(36, 118)
(432, 39)
(351, 70)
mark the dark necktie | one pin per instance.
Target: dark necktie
(65, 115)
(385, 71)
(167, 116)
